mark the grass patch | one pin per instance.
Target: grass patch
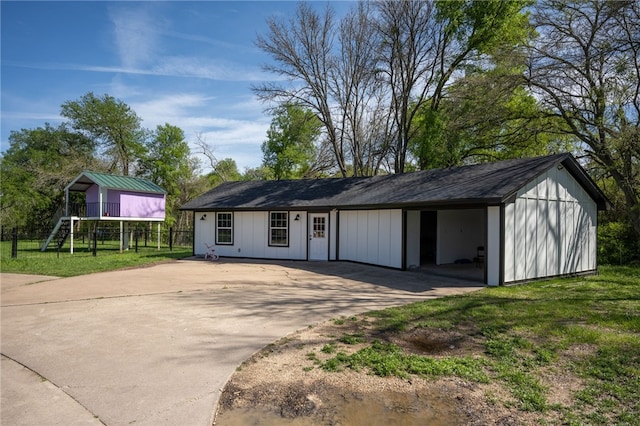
(83, 262)
(587, 328)
(328, 349)
(387, 359)
(352, 339)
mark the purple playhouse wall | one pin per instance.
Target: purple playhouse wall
(92, 194)
(133, 204)
(125, 204)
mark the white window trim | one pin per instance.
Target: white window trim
(286, 228)
(225, 243)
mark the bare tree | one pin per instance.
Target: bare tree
(302, 50)
(207, 150)
(408, 63)
(358, 92)
(368, 80)
(585, 70)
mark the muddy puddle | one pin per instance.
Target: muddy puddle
(353, 410)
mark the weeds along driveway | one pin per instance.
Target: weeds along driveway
(156, 345)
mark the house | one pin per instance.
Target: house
(109, 198)
(516, 220)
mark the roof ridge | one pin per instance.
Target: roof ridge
(492, 182)
(120, 176)
(119, 182)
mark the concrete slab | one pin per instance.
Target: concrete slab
(156, 345)
(9, 281)
(27, 399)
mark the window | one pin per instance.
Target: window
(318, 227)
(224, 228)
(279, 229)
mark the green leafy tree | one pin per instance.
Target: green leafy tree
(225, 170)
(36, 167)
(427, 45)
(487, 116)
(290, 148)
(257, 173)
(112, 124)
(168, 163)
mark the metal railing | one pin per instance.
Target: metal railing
(103, 209)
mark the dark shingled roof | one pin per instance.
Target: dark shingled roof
(489, 183)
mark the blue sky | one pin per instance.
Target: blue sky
(189, 64)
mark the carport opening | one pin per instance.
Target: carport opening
(428, 237)
(449, 242)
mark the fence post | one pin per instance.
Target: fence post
(170, 239)
(95, 243)
(14, 243)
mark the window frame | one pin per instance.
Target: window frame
(284, 228)
(315, 231)
(218, 228)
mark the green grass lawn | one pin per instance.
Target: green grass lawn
(584, 330)
(31, 261)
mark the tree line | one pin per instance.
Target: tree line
(390, 87)
(396, 86)
(100, 133)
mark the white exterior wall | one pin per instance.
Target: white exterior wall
(550, 229)
(251, 236)
(492, 252)
(371, 236)
(333, 234)
(460, 233)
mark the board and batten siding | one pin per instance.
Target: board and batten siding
(251, 236)
(550, 229)
(371, 236)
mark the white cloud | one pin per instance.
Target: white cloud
(172, 66)
(213, 42)
(237, 132)
(159, 110)
(136, 37)
(212, 69)
(48, 117)
(239, 139)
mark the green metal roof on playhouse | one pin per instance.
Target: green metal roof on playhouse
(121, 183)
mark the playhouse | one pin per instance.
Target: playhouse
(109, 197)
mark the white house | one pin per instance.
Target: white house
(518, 220)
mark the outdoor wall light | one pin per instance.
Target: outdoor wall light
(204, 216)
(297, 217)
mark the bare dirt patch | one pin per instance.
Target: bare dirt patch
(283, 384)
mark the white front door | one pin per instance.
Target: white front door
(319, 236)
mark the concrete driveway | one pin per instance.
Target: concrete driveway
(153, 346)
